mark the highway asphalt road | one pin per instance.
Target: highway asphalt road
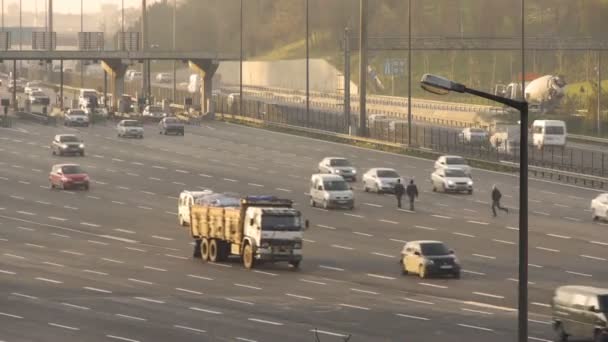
(112, 263)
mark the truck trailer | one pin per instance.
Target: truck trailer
(261, 229)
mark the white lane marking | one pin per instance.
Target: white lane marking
(136, 249)
(363, 234)
(162, 238)
(155, 268)
(170, 213)
(413, 317)
(4, 178)
(120, 338)
(199, 277)
(23, 295)
(7, 272)
(388, 221)
(331, 268)
(137, 163)
(141, 281)
(470, 210)
(544, 305)
(535, 265)
(98, 242)
(100, 182)
(579, 274)
(324, 332)
(593, 257)
(504, 241)
(204, 175)
(113, 260)
(373, 205)
(599, 243)
(24, 182)
(559, 236)
(326, 227)
(313, 282)
(561, 205)
(34, 245)
(10, 315)
(14, 256)
(176, 256)
(188, 291)
(26, 228)
(343, 247)
(406, 211)
(365, 291)
(485, 256)
(93, 197)
(179, 183)
(533, 200)
(150, 300)
(463, 234)
(76, 306)
(380, 276)
(264, 321)
(230, 180)
(539, 322)
(442, 217)
(477, 311)
(26, 213)
(239, 301)
(124, 231)
(284, 190)
(479, 222)
(205, 310)
(475, 327)
(265, 273)
(572, 219)
(144, 207)
(425, 228)
(154, 178)
(383, 255)
(473, 272)
(148, 192)
(118, 160)
(53, 281)
(72, 252)
(131, 317)
(118, 202)
(433, 285)
(159, 167)
(61, 235)
(547, 249)
(124, 187)
(488, 295)
(548, 192)
(247, 286)
(36, 170)
(256, 185)
(89, 224)
(112, 237)
(95, 272)
(353, 215)
(354, 306)
(541, 213)
(512, 228)
(43, 202)
(538, 339)
(398, 240)
(418, 301)
(189, 328)
(132, 174)
(63, 326)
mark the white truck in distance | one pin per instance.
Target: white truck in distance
(261, 229)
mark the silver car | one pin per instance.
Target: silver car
(130, 128)
(338, 166)
(451, 180)
(380, 180)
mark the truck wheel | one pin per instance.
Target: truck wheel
(205, 249)
(248, 260)
(213, 251)
(295, 264)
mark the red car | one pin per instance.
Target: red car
(64, 176)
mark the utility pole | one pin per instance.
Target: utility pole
(82, 30)
(307, 69)
(241, 63)
(347, 79)
(174, 48)
(363, 68)
(409, 73)
(50, 23)
(144, 42)
(599, 92)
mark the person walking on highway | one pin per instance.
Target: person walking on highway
(496, 196)
(412, 193)
(399, 191)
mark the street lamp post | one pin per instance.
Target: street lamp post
(442, 86)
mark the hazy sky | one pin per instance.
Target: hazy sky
(73, 6)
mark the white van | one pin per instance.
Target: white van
(331, 191)
(86, 95)
(549, 133)
(186, 199)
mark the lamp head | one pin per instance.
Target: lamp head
(440, 85)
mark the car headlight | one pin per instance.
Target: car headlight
(336, 171)
(354, 171)
(429, 262)
(86, 178)
(470, 183)
(64, 179)
(81, 145)
(297, 245)
(64, 146)
(450, 182)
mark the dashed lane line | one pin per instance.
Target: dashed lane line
(150, 300)
(52, 281)
(559, 236)
(504, 242)
(10, 315)
(63, 326)
(120, 338)
(477, 311)
(425, 228)
(442, 217)
(378, 276)
(398, 240)
(263, 321)
(183, 327)
(155, 269)
(463, 234)
(313, 282)
(479, 223)
(7, 272)
(199, 277)
(113, 260)
(213, 312)
(188, 291)
(485, 256)
(326, 227)
(354, 306)
(383, 255)
(248, 286)
(473, 272)
(131, 317)
(365, 291)
(433, 285)
(599, 243)
(331, 268)
(95, 272)
(265, 273)
(329, 333)
(24, 295)
(363, 234)
(593, 257)
(162, 238)
(373, 205)
(547, 249)
(418, 301)
(140, 281)
(579, 274)
(483, 294)
(343, 247)
(475, 327)
(75, 306)
(353, 215)
(388, 221)
(413, 317)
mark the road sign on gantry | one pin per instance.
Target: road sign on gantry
(395, 66)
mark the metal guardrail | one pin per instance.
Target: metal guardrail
(41, 118)
(588, 138)
(562, 175)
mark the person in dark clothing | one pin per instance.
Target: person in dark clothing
(399, 191)
(496, 196)
(412, 193)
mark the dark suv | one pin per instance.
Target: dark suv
(171, 125)
(580, 312)
(67, 144)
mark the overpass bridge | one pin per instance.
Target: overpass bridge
(116, 62)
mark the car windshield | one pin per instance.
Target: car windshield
(335, 185)
(455, 161)
(131, 123)
(387, 174)
(68, 138)
(280, 222)
(339, 162)
(454, 173)
(477, 130)
(71, 169)
(171, 121)
(156, 109)
(554, 130)
(38, 93)
(77, 112)
(603, 301)
(431, 249)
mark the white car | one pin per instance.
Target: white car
(38, 97)
(380, 180)
(76, 117)
(31, 86)
(453, 162)
(130, 128)
(599, 207)
(451, 180)
(156, 112)
(338, 166)
(471, 135)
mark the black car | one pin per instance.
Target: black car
(67, 144)
(171, 125)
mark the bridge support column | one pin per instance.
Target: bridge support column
(207, 69)
(116, 69)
